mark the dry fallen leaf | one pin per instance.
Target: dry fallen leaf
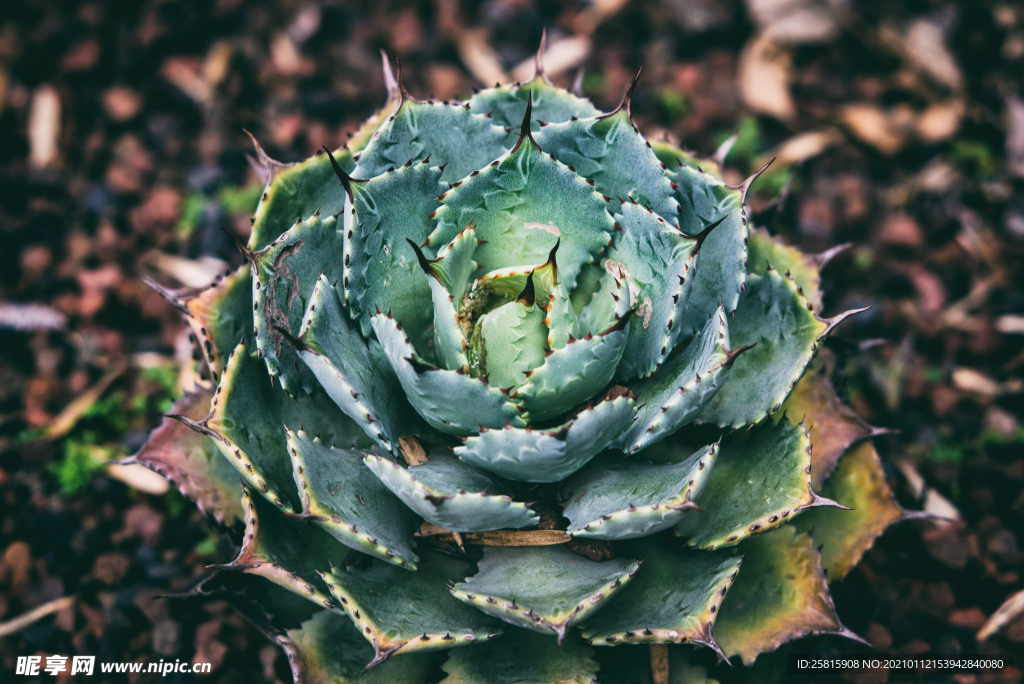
(763, 78)
(940, 121)
(560, 56)
(1010, 324)
(44, 126)
(1004, 615)
(479, 57)
(804, 146)
(924, 45)
(874, 126)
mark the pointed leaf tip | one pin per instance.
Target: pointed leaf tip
(524, 128)
(528, 295)
(249, 255)
(837, 319)
(703, 235)
(346, 180)
(423, 260)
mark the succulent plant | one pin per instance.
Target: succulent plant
(503, 379)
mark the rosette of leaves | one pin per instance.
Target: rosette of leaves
(482, 376)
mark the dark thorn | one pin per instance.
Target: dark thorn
(703, 235)
(528, 295)
(346, 180)
(524, 128)
(424, 262)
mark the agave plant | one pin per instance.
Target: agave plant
(507, 385)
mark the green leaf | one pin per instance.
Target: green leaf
(674, 157)
(353, 370)
(547, 589)
(220, 316)
(192, 462)
(573, 374)
(512, 340)
(608, 304)
(780, 595)
(767, 249)
(672, 600)
(533, 455)
(347, 501)
(616, 499)
(762, 480)
(523, 204)
(507, 105)
(450, 134)
(774, 317)
(833, 425)
(502, 662)
(294, 192)
(450, 401)
(722, 268)
(671, 397)
(844, 536)
(247, 424)
(284, 275)
(381, 271)
(655, 261)
(449, 279)
(451, 494)
(288, 552)
(610, 151)
(406, 612)
(327, 648)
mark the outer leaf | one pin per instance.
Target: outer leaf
(451, 494)
(533, 455)
(450, 401)
(219, 316)
(654, 260)
(703, 201)
(521, 206)
(381, 271)
(834, 427)
(502, 662)
(773, 316)
(353, 370)
(544, 588)
(573, 374)
(844, 536)
(327, 649)
(780, 595)
(294, 192)
(674, 599)
(760, 482)
(405, 612)
(247, 423)
(673, 158)
(284, 275)
(285, 551)
(551, 104)
(670, 398)
(618, 499)
(448, 133)
(192, 462)
(610, 150)
(805, 268)
(350, 503)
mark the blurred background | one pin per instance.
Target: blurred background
(896, 125)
